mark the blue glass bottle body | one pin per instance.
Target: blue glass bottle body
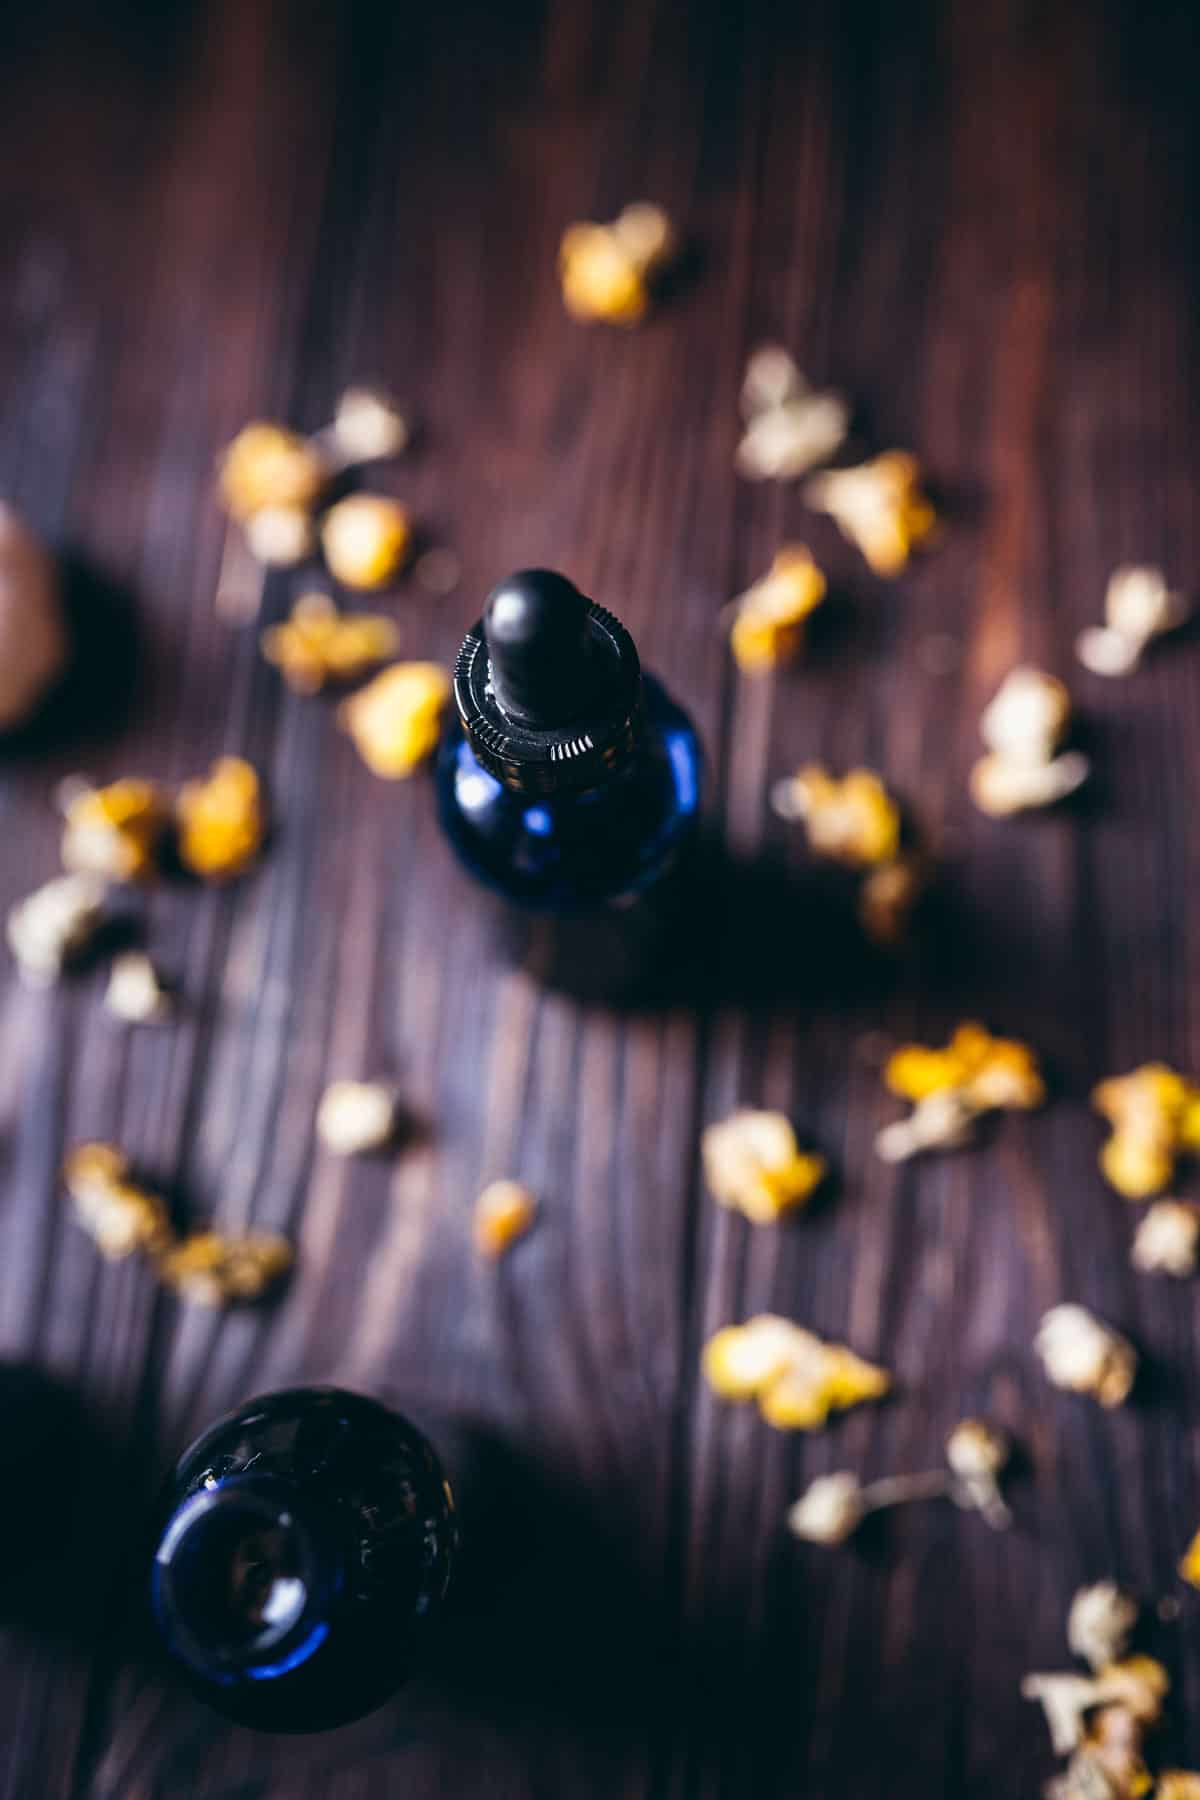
(605, 847)
(303, 1557)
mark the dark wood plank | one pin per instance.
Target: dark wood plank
(980, 222)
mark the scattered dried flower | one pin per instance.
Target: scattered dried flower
(796, 1378)
(280, 536)
(1155, 1114)
(356, 1117)
(1177, 1784)
(754, 1165)
(34, 643)
(879, 506)
(1167, 1242)
(1023, 726)
(789, 429)
(609, 271)
(504, 1212)
(368, 426)
(853, 821)
(396, 719)
(135, 993)
(1138, 607)
(1083, 1355)
(54, 925)
(1189, 1567)
(768, 619)
(830, 1511)
(975, 1073)
(118, 1216)
(1108, 1763)
(221, 821)
(319, 644)
(268, 466)
(115, 832)
(366, 538)
(1138, 1685)
(215, 1270)
(978, 1454)
(1100, 1624)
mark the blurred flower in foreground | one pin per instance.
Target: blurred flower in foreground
(54, 925)
(789, 428)
(796, 1378)
(609, 271)
(754, 1165)
(504, 1212)
(1189, 1567)
(318, 644)
(975, 1073)
(768, 619)
(1138, 607)
(1084, 1356)
(117, 831)
(1099, 1720)
(1023, 726)
(879, 506)
(212, 1268)
(34, 643)
(368, 427)
(396, 719)
(356, 1117)
(853, 820)
(134, 992)
(268, 466)
(1155, 1116)
(833, 1508)
(1167, 1241)
(366, 538)
(118, 1216)
(221, 821)
(1177, 1784)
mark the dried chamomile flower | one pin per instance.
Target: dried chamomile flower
(268, 466)
(796, 1378)
(609, 271)
(829, 1511)
(1138, 606)
(118, 1216)
(55, 924)
(1084, 1356)
(504, 1212)
(789, 429)
(1167, 1242)
(366, 538)
(1177, 1784)
(220, 820)
(1100, 1623)
(879, 506)
(396, 719)
(978, 1454)
(889, 896)
(117, 831)
(135, 993)
(768, 619)
(355, 1117)
(34, 642)
(1138, 1685)
(319, 644)
(281, 536)
(853, 821)
(1154, 1113)
(949, 1088)
(754, 1165)
(368, 426)
(1189, 1567)
(216, 1270)
(1108, 1763)
(1022, 726)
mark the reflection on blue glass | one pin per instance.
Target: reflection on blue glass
(538, 820)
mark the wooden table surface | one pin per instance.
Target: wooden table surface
(980, 221)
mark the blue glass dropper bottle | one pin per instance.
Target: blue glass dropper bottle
(569, 782)
(302, 1558)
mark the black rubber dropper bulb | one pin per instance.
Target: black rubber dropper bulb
(537, 628)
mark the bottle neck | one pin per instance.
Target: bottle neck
(243, 1579)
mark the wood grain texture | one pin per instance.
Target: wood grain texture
(979, 220)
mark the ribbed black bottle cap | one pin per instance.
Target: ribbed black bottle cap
(548, 686)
